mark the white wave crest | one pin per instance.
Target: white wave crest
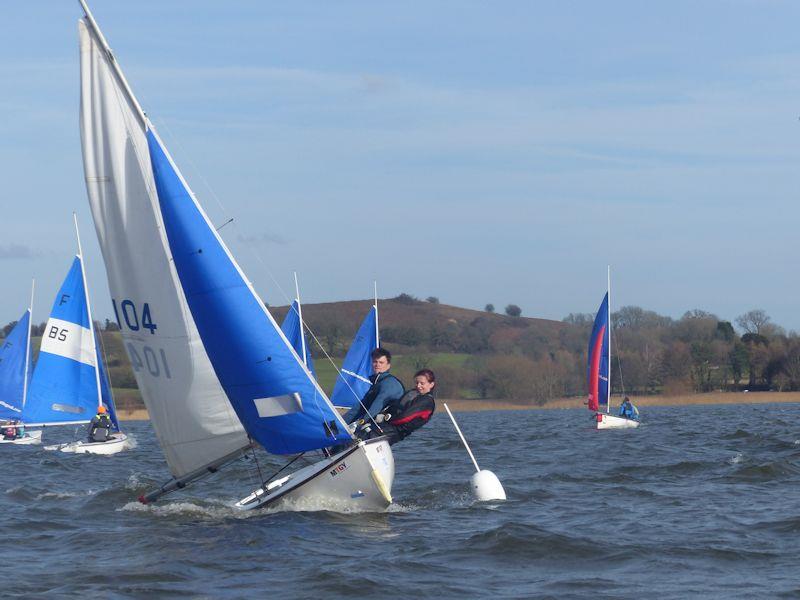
(172, 509)
(64, 495)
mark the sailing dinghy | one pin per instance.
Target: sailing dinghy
(599, 369)
(67, 383)
(292, 328)
(15, 360)
(216, 372)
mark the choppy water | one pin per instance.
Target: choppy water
(701, 501)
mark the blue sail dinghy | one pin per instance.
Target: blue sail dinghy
(216, 372)
(69, 382)
(15, 375)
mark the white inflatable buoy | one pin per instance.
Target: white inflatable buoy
(486, 486)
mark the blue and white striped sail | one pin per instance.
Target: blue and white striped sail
(353, 381)
(292, 328)
(14, 368)
(275, 398)
(64, 384)
(105, 387)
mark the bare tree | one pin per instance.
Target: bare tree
(753, 321)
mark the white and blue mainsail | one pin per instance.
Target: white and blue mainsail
(280, 405)
(15, 357)
(64, 385)
(195, 424)
(353, 381)
(292, 328)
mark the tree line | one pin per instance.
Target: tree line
(488, 355)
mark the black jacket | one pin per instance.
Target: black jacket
(409, 413)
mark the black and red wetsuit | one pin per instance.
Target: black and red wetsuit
(406, 415)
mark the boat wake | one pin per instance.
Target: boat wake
(215, 512)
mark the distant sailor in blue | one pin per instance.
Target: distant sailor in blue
(385, 388)
(627, 410)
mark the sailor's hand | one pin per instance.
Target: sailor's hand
(380, 417)
(353, 426)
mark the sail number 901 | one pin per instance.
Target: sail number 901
(130, 315)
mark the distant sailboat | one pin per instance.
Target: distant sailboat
(292, 328)
(66, 386)
(353, 380)
(15, 376)
(215, 370)
(599, 369)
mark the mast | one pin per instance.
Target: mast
(300, 316)
(377, 329)
(97, 357)
(608, 315)
(28, 347)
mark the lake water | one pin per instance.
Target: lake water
(698, 502)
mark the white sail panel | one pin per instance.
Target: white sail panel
(69, 340)
(193, 420)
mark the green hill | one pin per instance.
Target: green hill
(483, 355)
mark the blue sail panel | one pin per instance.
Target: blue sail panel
(13, 354)
(64, 383)
(105, 388)
(353, 381)
(598, 370)
(293, 331)
(280, 406)
(70, 303)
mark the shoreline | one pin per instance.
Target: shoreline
(711, 398)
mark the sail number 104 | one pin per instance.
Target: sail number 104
(134, 318)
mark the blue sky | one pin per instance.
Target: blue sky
(478, 152)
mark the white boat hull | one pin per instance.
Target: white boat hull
(359, 478)
(606, 421)
(117, 443)
(30, 437)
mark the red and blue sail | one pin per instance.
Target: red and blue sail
(598, 366)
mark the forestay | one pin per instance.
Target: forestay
(598, 363)
(292, 328)
(14, 362)
(280, 405)
(64, 383)
(353, 381)
(105, 388)
(191, 416)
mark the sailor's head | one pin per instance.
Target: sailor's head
(424, 380)
(627, 400)
(101, 410)
(381, 360)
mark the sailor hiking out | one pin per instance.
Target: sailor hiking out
(402, 417)
(385, 389)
